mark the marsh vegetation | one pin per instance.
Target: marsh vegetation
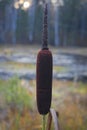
(18, 109)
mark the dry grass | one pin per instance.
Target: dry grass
(67, 100)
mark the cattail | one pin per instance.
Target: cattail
(44, 73)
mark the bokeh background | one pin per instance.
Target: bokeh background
(21, 22)
(21, 27)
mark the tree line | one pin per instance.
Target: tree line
(67, 24)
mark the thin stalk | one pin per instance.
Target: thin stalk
(43, 122)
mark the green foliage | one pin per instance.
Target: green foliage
(59, 69)
(18, 103)
(82, 89)
(15, 94)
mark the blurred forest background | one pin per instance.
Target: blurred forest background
(21, 22)
(21, 27)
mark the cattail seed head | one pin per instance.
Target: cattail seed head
(44, 72)
(44, 81)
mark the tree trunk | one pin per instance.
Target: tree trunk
(82, 25)
(65, 38)
(31, 15)
(11, 22)
(56, 27)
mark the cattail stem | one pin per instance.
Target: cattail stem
(43, 122)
